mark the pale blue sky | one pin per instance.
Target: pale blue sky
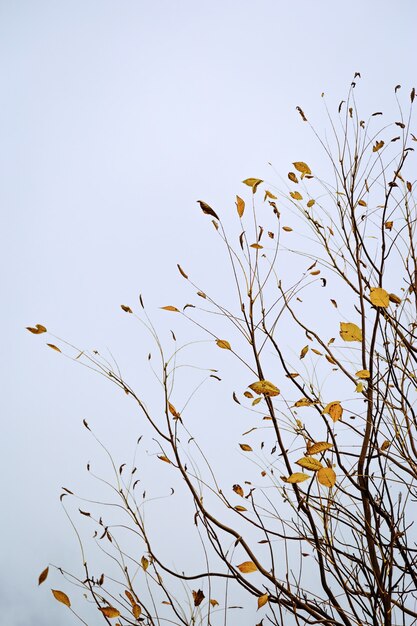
(115, 117)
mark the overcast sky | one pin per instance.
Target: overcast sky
(115, 117)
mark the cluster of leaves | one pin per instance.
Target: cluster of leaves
(325, 523)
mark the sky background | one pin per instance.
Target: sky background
(115, 117)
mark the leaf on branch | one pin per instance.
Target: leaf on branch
(136, 610)
(198, 597)
(303, 402)
(51, 345)
(130, 597)
(362, 203)
(310, 464)
(256, 401)
(262, 600)
(247, 567)
(288, 229)
(265, 387)
(379, 297)
(238, 489)
(268, 194)
(388, 225)
(378, 145)
(109, 611)
(304, 352)
(240, 508)
(363, 374)
(43, 576)
(240, 205)
(214, 602)
(334, 409)
(61, 597)
(394, 298)
(311, 203)
(37, 330)
(359, 388)
(302, 167)
(181, 271)
(292, 177)
(296, 478)
(245, 447)
(301, 112)
(253, 182)
(326, 477)
(126, 308)
(319, 446)
(385, 445)
(170, 308)
(164, 458)
(206, 208)
(222, 343)
(257, 246)
(145, 563)
(173, 411)
(296, 195)
(350, 332)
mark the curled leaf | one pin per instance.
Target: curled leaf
(207, 209)
(334, 409)
(37, 330)
(170, 308)
(126, 308)
(302, 167)
(292, 177)
(319, 446)
(262, 600)
(240, 205)
(51, 345)
(253, 182)
(198, 597)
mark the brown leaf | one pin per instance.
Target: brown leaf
(164, 458)
(126, 308)
(170, 308)
(240, 205)
(173, 411)
(198, 597)
(287, 229)
(37, 330)
(214, 602)
(311, 203)
(51, 345)
(304, 352)
(61, 597)
(109, 611)
(207, 209)
(247, 567)
(238, 489)
(378, 145)
(388, 225)
(292, 177)
(296, 195)
(268, 194)
(385, 445)
(43, 576)
(394, 298)
(136, 610)
(240, 508)
(181, 271)
(245, 447)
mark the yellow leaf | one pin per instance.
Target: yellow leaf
(222, 343)
(326, 477)
(302, 167)
(350, 332)
(164, 458)
(240, 205)
(394, 298)
(292, 177)
(296, 478)
(330, 359)
(256, 401)
(130, 597)
(37, 330)
(43, 576)
(304, 352)
(262, 600)
(310, 203)
(319, 446)
(379, 297)
(317, 351)
(363, 374)
(334, 409)
(388, 225)
(268, 194)
(288, 229)
(315, 273)
(296, 195)
(170, 308)
(377, 146)
(173, 411)
(240, 508)
(214, 602)
(248, 394)
(145, 563)
(303, 402)
(245, 447)
(136, 610)
(310, 464)
(257, 246)
(51, 345)
(238, 489)
(247, 567)
(109, 611)
(126, 308)
(253, 182)
(61, 597)
(362, 203)
(265, 387)
(385, 445)
(359, 388)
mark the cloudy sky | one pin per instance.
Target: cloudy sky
(115, 118)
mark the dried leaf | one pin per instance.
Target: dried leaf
(304, 352)
(238, 489)
(326, 477)
(222, 343)
(136, 610)
(61, 597)
(240, 205)
(302, 167)
(173, 411)
(301, 112)
(350, 332)
(214, 602)
(245, 447)
(311, 203)
(379, 297)
(164, 458)
(296, 195)
(363, 374)
(37, 330)
(170, 308)
(198, 597)
(362, 203)
(268, 194)
(207, 209)
(240, 508)
(292, 177)
(394, 298)
(319, 446)
(253, 182)
(309, 463)
(109, 611)
(385, 445)
(256, 401)
(181, 271)
(257, 246)
(43, 576)
(378, 145)
(126, 308)
(265, 387)
(334, 409)
(51, 345)
(388, 225)
(247, 567)
(288, 229)
(303, 402)
(296, 478)
(262, 600)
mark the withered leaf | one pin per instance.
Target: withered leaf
(207, 209)
(109, 611)
(198, 597)
(37, 330)
(264, 387)
(61, 597)
(245, 447)
(240, 205)
(262, 600)
(253, 182)
(43, 576)
(247, 567)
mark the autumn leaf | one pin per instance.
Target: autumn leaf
(126, 308)
(388, 225)
(240, 508)
(302, 167)
(296, 478)
(214, 602)
(173, 411)
(362, 203)
(326, 477)
(292, 177)
(51, 345)
(268, 194)
(37, 330)
(311, 203)
(109, 611)
(43, 576)
(394, 298)
(288, 229)
(181, 271)
(145, 563)
(222, 343)
(304, 352)
(198, 597)
(310, 464)
(257, 246)
(207, 209)
(296, 195)
(170, 308)
(385, 445)
(136, 610)
(240, 205)
(253, 182)
(363, 374)
(245, 447)
(247, 567)
(303, 402)
(238, 489)
(164, 458)
(379, 297)
(378, 145)
(265, 387)
(350, 332)
(262, 600)
(334, 409)
(359, 388)
(61, 597)
(319, 446)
